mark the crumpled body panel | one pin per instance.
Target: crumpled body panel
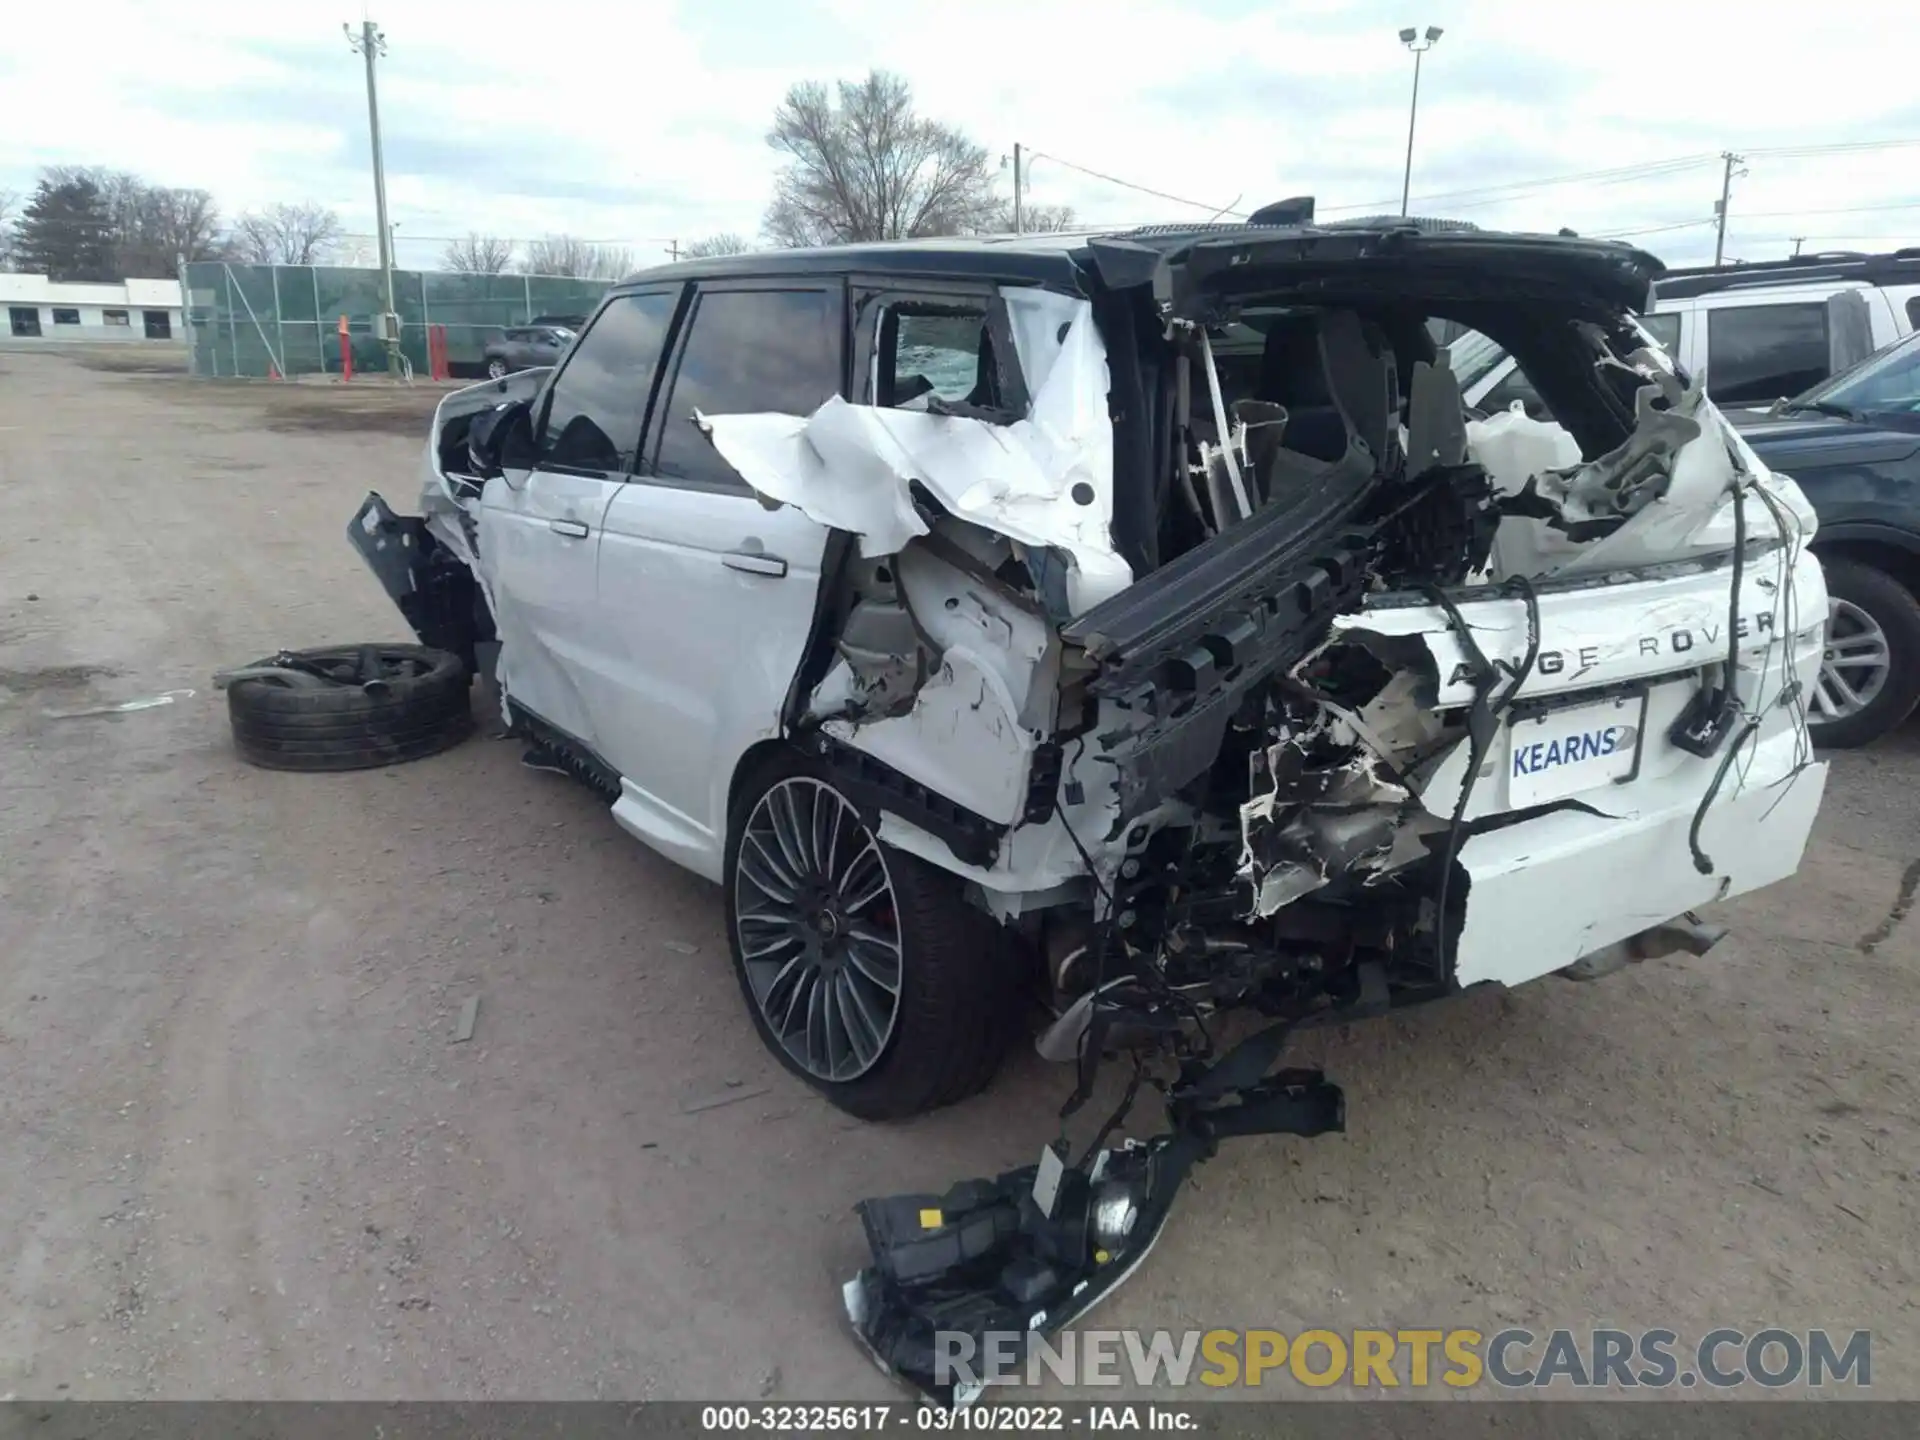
(1045, 481)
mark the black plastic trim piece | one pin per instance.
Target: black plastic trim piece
(876, 786)
(581, 760)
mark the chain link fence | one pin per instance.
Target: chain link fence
(262, 321)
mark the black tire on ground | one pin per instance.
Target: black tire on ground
(497, 369)
(419, 707)
(960, 1005)
(1895, 610)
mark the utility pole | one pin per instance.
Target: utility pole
(1419, 45)
(371, 44)
(1798, 241)
(673, 249)
(1720, 210)
(1019, 214)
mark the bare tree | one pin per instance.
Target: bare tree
(154, 226)
(861, 165)
(726, 243)
(304, 234)
(9, 207)
(569, 256)
(1035, 219)
(478, 254)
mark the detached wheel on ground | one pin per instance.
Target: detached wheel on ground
(1870, 668)
(348, 707)
(866, 971)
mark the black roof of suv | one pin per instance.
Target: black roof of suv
(1607, 269)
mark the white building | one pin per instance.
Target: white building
(35, 307)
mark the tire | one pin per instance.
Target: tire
(497, 369)
(1858, 592)
(418, 707)
(958, 1004)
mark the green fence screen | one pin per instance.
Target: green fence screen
(261, 320)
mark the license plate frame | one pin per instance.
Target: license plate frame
(1540, 735)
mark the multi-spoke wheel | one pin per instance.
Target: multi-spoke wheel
(1870, 664)
(818, 929)
(865, 969)
(1854, 666)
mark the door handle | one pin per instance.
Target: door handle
(575, 528)
(754, 562)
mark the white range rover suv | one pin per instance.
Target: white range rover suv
(1134, 628)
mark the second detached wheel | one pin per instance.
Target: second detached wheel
(866, 970)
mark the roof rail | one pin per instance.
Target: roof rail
(1892, 267)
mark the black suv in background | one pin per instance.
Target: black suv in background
(1853, 444)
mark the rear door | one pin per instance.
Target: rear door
(707, 595)
(540, 528)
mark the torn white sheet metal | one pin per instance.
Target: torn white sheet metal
(448, 509)
(1046, 480)
(1690, 517)
(1547, 891)
(971, 730)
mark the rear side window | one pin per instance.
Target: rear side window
(598, 404)
(1762, 352)
(935, 352)
(748, 351)
(1665, 329)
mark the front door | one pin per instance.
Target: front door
(540, 526)
(707, 595)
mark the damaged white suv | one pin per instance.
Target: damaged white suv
(1137, 624)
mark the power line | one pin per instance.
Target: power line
(1842, 210)
(1143, 189)
(1616, 174)
(1839, 148)
(1623, 174)
(1653, 229)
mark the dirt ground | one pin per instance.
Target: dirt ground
(243, 1159)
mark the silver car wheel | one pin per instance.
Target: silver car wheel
(496, 369)
(818, 929)
(1853, 665)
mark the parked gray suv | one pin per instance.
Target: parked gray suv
(526, 348)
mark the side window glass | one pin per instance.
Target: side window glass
(1665, 329)
(928, 351)
(1762, 352)
(598, 403)
(748, 351)
(1514, 387)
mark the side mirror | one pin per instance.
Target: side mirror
(501, 437)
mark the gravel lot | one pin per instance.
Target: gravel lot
(244, 1160)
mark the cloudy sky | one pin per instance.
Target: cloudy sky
(644, 121)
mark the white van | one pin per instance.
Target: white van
(1758, 332)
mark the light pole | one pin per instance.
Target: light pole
(371, 44)
(1419, 44)
(1021, 162)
